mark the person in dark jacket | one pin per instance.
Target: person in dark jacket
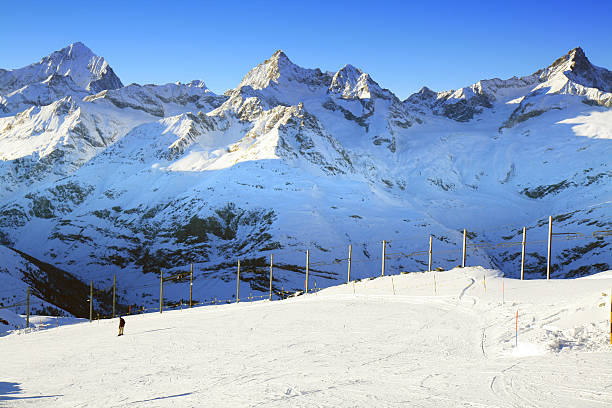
(121, 325)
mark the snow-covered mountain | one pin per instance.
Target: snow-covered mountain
(77, 62)
(100, 179)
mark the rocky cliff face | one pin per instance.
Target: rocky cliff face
(100, 178)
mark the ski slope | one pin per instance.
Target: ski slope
(444, 339)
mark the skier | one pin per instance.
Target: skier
(121, 324)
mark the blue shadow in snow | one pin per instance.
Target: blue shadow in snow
(9, 391)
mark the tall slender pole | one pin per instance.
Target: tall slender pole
(430, 251)
(348, 279)
(271, 266)
(516, 331)
(384, 247)
(28, 311)
(161, 291)
(114, 293)
(191, 287)
(238, 283)
(91, 302)
(307, 268)
(523, 253)
(464, 248)
(549, 247)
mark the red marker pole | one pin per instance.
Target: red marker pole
(516, 335)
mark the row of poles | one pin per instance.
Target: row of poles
(430, 255)
(307, 281)
(350, 250)
(161, 293)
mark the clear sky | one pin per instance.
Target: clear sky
(403, 45)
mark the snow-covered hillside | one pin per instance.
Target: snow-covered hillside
(406, 340)
(101, 179)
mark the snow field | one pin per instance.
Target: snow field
(355, 344)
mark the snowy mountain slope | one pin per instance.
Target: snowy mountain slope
(43, 93)
(131, 180)
(45, 143)
(391, 341)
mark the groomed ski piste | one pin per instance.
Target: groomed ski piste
(432, 339)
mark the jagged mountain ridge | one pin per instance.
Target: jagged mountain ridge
(571, 74)
(138, 178)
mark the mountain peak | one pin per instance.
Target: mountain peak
(575, 59)
(76, 49)
(350, 71)
(576, 67)
(280, 70)
(279, 54)
(578, 60)
(351, 82)
(85, 68)
(577, 52)
(76, 53)
(426, 91)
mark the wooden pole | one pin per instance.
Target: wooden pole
(549, 247)
(271, 266)
(384, 245)
(161, 291)
(430, 251)
(191, 287)
(114, 293)
(238, 283)
(91, 302)
(307, 268)
(464, 245)
(348, 279)
(28, 311)
(523, 253)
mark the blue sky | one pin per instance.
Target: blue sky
(403, 45)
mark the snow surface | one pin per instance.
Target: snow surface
(391, 341)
